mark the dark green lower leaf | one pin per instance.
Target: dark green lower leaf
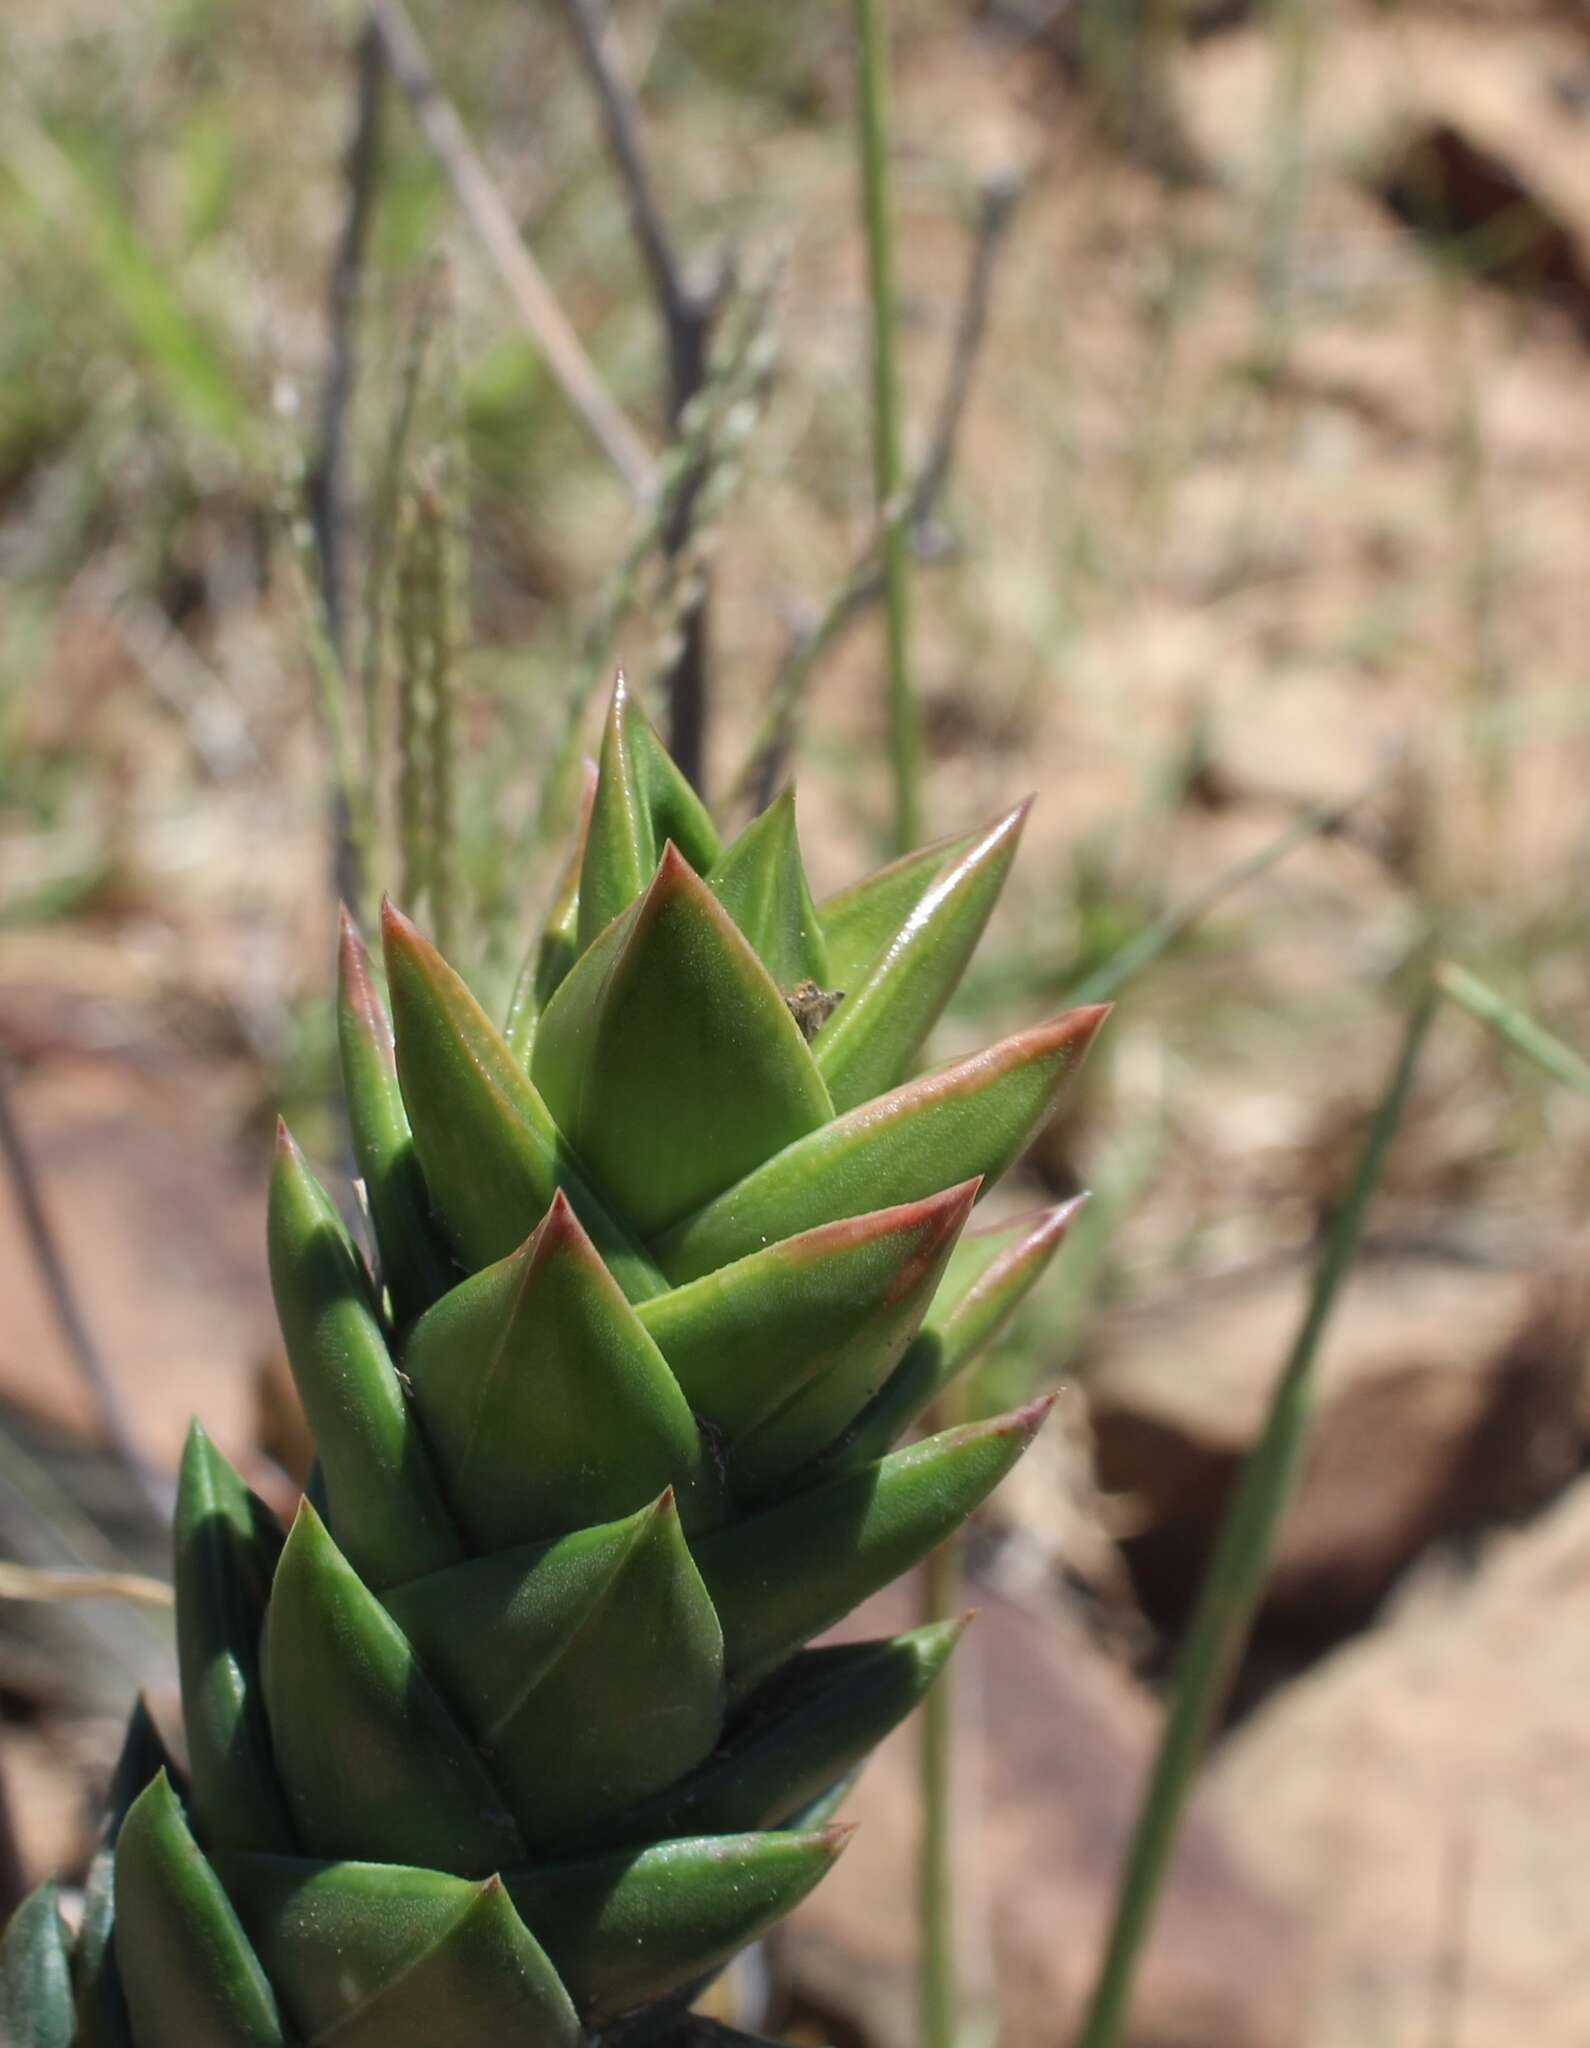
(186, 1965)
(624, 1928)
(35, 1981)
(380, 1955)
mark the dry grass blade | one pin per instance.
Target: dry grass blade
(487, 213)
(34, 1582)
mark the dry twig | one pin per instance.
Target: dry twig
(323, 486)
(487, 213)
(73, 1325)
(686, 312)
(862, 588)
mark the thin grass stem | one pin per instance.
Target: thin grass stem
(1236, 1576)
(1515, 1026)
(904, 736)
(938, 1992)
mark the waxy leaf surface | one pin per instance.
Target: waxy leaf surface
(870, 1042)
(101, 2008)
(227, 1544)
(815, 1720)
(378, 1955)
(548, 1404)
(188, 1970)
(556, 946)
(492, 1156)
(761, 883)
(781, 1350)
(624, 1928)
(372, 1762)
(35, 1978)
(963, 1121)
(589, 1670)
(780, 1577)
(642, 801)
(388, 1512)
(860, 921)
(415, 1265)
(985, 1281)
(670, 1058)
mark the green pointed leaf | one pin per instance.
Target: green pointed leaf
(493, 1158)
(379, 1955)
(642, 801)
(555, 948)
(625, 1928)
(101, 2009)
(601, 1651)
(547, 1403)
(762, 885)
(371, 1760)
(986, 1279)
(35, 1980)
(779, 1578)
(859, 922)
(415, 1264)
(227, 1544)
(877, 1031)
(670, 1059)
(387, 1510)
(782, 1350)
(968, 1119)
(186, 1965)
(813, 1722)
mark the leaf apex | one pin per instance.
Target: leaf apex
(559, 1229)
(674, 874)
(1025, 1421)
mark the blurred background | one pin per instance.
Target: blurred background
(349, 436)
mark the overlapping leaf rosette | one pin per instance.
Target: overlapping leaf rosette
(516, 1732)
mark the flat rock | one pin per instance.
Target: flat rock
(160, 1219)
(1449, 1401)
(1420, 1799)
(1053, 1740)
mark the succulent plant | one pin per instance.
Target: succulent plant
(515, 1736)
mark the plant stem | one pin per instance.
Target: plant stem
(1516, 1026)
(937, 1993)
(872, 59)
(1236, 1576)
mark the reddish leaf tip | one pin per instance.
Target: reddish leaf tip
(957, 1204)
(674, 872)
(394, 925)
(836, 1835)
(1053, 1224)
(287, 1148)
(1027, 1420)
(559, 1233)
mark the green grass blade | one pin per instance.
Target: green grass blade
(1104, 982)
(1515, 1026)
(1236, 1576)
(73, 200)
(872, 59)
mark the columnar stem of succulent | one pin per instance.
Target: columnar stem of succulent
(518, 1729)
